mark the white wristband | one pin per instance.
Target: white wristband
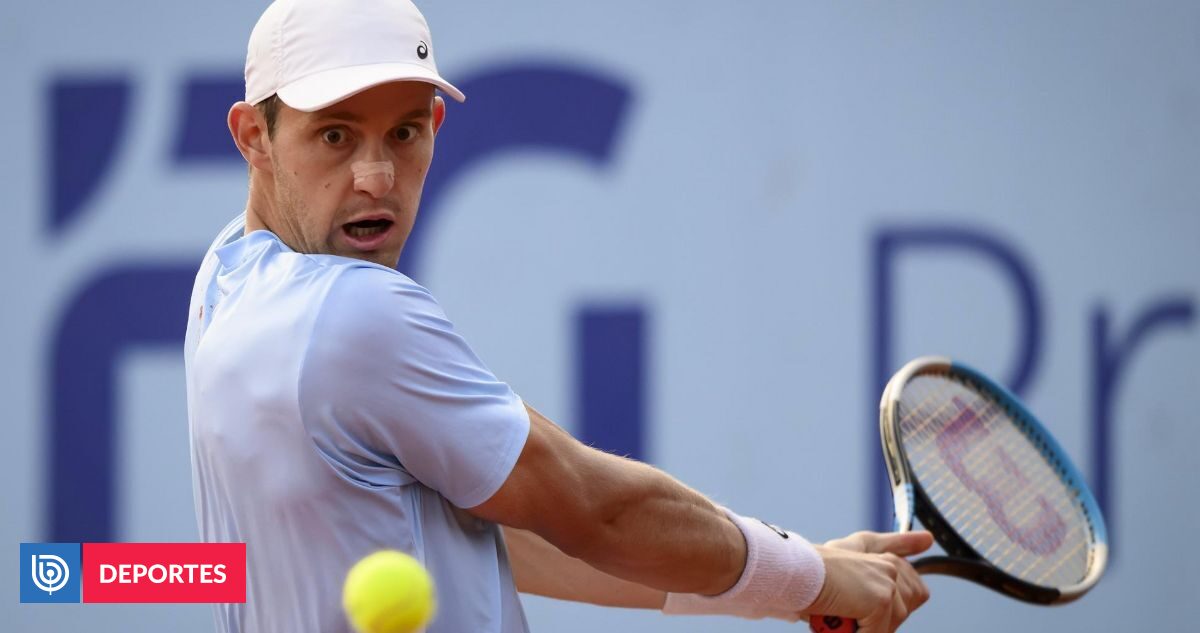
(783, 576)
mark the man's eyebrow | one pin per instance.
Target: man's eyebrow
(419, 113)
(341, 115)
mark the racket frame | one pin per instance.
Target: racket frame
(910, 500)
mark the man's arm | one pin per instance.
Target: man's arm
(636, 523)
(542, 569)
(621, 516)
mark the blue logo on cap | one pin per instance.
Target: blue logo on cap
(50, 572)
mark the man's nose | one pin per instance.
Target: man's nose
(374, 178)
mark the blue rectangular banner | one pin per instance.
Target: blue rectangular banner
(50, 572)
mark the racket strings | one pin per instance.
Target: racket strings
(1004, 497)
(974, 525)
(1013, 517)
(1018, 514)
(1010, 486)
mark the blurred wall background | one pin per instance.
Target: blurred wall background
(701, 233)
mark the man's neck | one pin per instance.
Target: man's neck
(254, 202)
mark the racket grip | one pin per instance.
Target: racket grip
(831, 624)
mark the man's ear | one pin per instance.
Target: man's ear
(249, 131)
(439, 113)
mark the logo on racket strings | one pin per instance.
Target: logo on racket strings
(1038, 528)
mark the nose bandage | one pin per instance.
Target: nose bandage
(374, 175)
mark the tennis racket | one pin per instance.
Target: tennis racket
(985, 477)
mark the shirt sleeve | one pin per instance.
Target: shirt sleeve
(387, 385)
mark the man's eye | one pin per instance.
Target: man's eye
(405, 133)
(333, 136)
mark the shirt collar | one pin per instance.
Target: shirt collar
(233, 253)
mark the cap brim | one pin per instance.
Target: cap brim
(325, 88)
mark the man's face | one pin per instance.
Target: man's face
(318, 208)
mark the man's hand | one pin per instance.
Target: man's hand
(867, 578)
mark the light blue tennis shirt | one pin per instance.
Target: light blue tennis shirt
(334, 411)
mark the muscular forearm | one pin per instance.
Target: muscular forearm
(620, 516)
(542, 569)
(637, 524)
(655, 531)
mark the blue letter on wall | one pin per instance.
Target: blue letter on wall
(1109, 359)
(889, 244)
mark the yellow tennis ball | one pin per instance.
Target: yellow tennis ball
(388, 592)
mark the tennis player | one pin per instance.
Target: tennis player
(334, 410)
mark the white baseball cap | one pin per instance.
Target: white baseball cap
(314, 53)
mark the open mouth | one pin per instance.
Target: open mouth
(366, 235)
(367, 228)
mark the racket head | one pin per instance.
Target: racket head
(1012, 512)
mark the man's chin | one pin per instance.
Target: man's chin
(375, 257)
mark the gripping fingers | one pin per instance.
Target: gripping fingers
(899, 610)
(892, 609)
(910, 592)
(883, 613)
(887, 618)
(880, 586)
(912, 589)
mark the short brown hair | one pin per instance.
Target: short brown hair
(269, 108)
